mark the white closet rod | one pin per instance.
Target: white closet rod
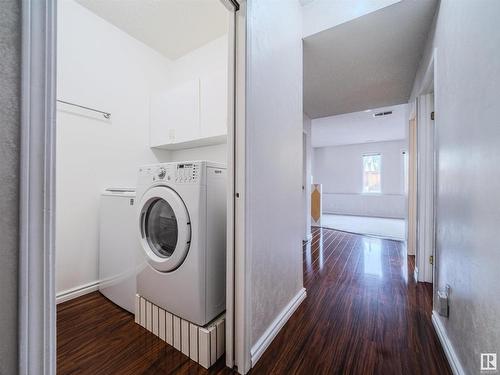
(106, 115)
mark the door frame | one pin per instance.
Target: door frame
(235, 168)
(306, 187)
(427, 164)
(37, 302)
(412, 208)
(242, 280)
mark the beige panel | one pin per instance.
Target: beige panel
(177, 332)
(143, 312)
(155, 320)
(185, 337)
(221, 335)
(149, 313)
(169, 328)
(161, 324)
(193, 342)
(204, 347)
(137, 310)
(213, 345)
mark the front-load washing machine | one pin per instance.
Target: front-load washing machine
(182, 230)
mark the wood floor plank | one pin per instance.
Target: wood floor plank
(363, 314)
(95, 336)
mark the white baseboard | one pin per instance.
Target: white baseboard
(451, 355)
(398, 217)
(81, 290)
(265, 340)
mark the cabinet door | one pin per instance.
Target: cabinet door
(175, 114)
(213, 105)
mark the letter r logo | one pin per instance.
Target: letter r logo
(488, 361)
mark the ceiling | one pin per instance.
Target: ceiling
(319, 15)
(360, 127)
(172, 27)
(368, 62)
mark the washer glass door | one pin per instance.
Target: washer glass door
(165, 228)
(161, 228)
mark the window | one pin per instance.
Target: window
(371, 173)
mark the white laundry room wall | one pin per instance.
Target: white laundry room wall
(340, 170)
(202, 61)
(216, 153)
(102, 67)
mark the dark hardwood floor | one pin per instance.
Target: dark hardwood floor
(363, 315)
(94, 336)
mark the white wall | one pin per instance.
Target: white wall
(340, 170)
(466, 38)
(274, 200)
(101, 66)
(216, 153)
(209, 58)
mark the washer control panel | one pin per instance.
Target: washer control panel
(181, 173)
(187, 173)
(162, 173)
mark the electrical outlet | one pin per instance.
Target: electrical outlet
(443, 301)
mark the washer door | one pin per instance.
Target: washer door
(165, 228)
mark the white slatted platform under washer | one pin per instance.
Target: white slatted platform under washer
(204, 345)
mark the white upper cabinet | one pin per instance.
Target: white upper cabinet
(213, 104)
(190, 114)
(175, 114)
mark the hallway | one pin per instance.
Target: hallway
(363, 314)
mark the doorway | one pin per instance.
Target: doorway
(38, 222)
(423, 179)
